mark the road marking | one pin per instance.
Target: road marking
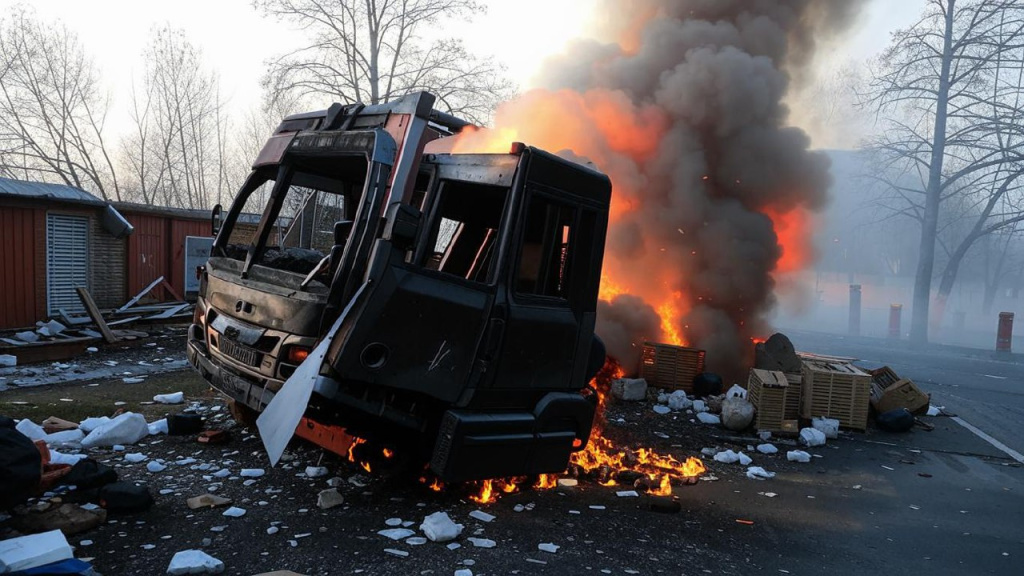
(996, 377)
(999, 445)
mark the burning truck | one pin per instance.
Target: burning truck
(440, 303)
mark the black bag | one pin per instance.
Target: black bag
(184, 423)
(20, 465)
(125, 497)
(898, 420)
(88, 474)
(707, 384)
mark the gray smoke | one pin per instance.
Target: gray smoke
(713, 74)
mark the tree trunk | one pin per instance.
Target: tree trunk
(929, 226)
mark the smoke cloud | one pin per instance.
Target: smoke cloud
(681, 103)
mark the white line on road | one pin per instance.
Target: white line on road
(996, 377)
(999, 445)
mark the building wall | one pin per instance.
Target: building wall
(107, 281)
(157, 248)
(19, 297)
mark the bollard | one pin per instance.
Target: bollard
(855, 309)
(895, 313)
(1004, 336)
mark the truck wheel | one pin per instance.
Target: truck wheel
(243, 414)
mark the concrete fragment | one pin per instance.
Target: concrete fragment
(27, 336)
(678, 401)
(394, 552)
(482, 542)
(8, 361)
(812, 437)
(128, 428)
(548, 547)
(234, 512)
(440, 528)
(827, 426)
(65, 437)
(158, 427)
(135, 458)
(737, 413)
(30, 429)
(630, 389)
(767, 448)
(758, 473)
(315, 471)
(194, 562)
(661, 409)
(798, 456)
(32, 551)
(481, 516)
(396, 533)
(175, 398)
(707, 418)
(464, 572)
(329, 498)
(251, 472)
(90, 424)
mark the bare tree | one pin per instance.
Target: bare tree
(52, 110)
(947, 92)
(372, 51)
(176, 151)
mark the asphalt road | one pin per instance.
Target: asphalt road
(940, 502)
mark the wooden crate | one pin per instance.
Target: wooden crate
(794, 396)
(672, 367)
(836, 390)
(889, 391)
(768, 391)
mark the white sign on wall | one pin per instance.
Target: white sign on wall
(197, 252)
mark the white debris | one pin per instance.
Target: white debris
(416, 541)
(630, 389)
(464, 572)
(135, 457)
(812, 437)
(758, 473)
(393, 552)
(568, 482)
(128, 428)
(316, 471)
(222, 473)
(58, 458)
(234, 512)
(768, 494)
(736, 391)
(727, 457)
(798, 456)
(329, 498)
(65, 437)
(273, 530)
(251, 472)
(31, 429)
(396, 533)
(92, 349)
(767, 449)
(90, 424)
(481, 516)
(661, 409)
(518, 508)
(934, 410)
(678, 401)
(482, 542)
(154, 466)
(194, 562)
(454, 546)
(8, 361)
(627, 494)
(393, 521)
(827, 426)
(708, 418)
(133, 380)
(440, 528)
(548, 547)
(31, 551)
(158, 427)
(175, 398)
(744, 459)
(700, 406)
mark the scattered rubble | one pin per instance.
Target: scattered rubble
(798, 456)
(438, 527)
(194, 562)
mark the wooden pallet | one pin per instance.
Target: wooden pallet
(768, 391)
(836, 390)
(671, 367)
(794, 396)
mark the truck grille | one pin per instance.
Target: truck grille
(246, 356)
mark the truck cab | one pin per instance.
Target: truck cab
(453, 296)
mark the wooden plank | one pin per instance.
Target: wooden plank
(169, 312)
(72, 321)
(170, 290)
(139, 296)
(51, 351)
(94, 313)
(124, 320)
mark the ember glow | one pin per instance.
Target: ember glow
(714, 192)
(486, 495)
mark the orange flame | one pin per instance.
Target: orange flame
(437, 485)
(486, 495)
(388, 453)
(546, 481)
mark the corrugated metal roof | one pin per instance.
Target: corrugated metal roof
(43, 190)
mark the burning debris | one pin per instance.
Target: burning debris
(682, 105)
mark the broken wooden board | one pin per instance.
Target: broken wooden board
(139, 296)
(169, 312)
(49, 351)
(69, 320)
(94, 313)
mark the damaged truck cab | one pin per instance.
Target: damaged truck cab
(457, 291)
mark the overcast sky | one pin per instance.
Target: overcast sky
(236, 40)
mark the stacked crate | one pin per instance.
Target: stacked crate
(837, 390)
(794, 396)
(672, 367)
(770, 393)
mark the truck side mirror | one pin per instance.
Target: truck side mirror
(403, 224)
(215, 220)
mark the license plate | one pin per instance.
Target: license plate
(246, 356)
